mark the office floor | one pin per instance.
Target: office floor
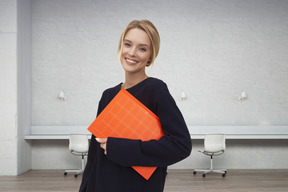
(177, 181)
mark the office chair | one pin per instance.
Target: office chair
(214, 145)
(78, 145)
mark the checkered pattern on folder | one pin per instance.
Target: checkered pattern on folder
(126, 117)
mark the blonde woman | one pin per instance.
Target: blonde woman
(110, 159)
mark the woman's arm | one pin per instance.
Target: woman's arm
(174, 146)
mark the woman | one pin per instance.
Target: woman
(110, 159)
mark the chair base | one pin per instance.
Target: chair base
(206, 171)
(76, 171)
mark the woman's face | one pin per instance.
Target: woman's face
(136, 51)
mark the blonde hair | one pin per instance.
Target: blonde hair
(148, 27)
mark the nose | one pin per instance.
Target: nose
(132, 51)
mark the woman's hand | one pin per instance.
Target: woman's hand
(103, 142)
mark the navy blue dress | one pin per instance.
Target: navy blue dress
(113, 173)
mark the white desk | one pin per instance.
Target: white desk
(242, 136)
(197, 132)
(49, 136)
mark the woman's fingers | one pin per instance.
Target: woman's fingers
(102, 142)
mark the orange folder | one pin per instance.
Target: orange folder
(126, 117)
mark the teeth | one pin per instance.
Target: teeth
(130, 61)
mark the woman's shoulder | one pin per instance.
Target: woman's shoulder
(111, 92)
(156, 83)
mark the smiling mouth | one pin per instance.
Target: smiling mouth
(130, 61)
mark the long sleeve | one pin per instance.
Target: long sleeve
(174, 146)
(113, 171)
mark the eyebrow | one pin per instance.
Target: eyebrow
(139, 44)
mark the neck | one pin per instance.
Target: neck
(133, 79)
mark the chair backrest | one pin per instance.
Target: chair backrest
(214, 143)
(78, 143)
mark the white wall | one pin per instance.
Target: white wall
(212, 50)
(15, 85)
(8, 87)
(24, 85)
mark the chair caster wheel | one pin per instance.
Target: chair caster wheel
(203, 175)
(65, 173)
(75, 175)
(194, 172)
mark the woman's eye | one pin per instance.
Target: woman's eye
(127, 44)
(143, 49)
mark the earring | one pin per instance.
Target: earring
(148, 63)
